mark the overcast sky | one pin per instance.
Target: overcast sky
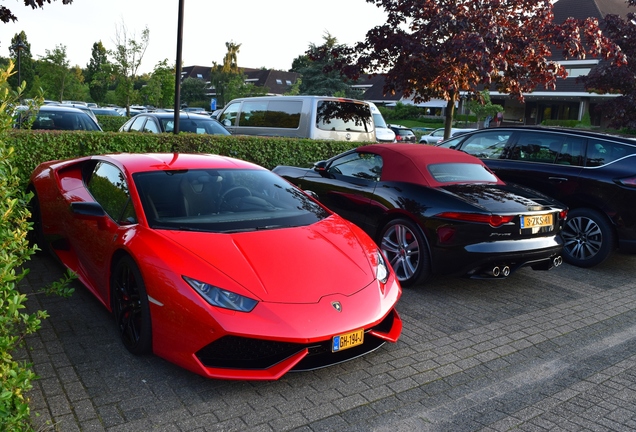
(272, 33)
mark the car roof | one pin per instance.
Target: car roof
(408, 162)
(182, 114)
(143, 162)
(569, 131)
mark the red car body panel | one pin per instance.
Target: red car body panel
(295, 273)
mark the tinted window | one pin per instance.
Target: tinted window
(108, 186)
(63, 121)
(223, 200)
(276, 114)
(601, 152)
(461, 172)
(360, 165)
(342, 116)
(195, 125)
(570, 151)
(536, 147)
(486, 145)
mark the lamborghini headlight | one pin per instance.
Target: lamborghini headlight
(222, 298)
(382, 271)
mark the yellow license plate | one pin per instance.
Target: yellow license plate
(536, 221)
(347, 340)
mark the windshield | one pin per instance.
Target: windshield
(198, 125)
(223, 200)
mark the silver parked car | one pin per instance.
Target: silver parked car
(438, 135)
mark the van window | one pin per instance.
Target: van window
(228, 116)
(342, 116)
(274, 114)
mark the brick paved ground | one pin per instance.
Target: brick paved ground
(540, 351)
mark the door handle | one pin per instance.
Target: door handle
(557, 179)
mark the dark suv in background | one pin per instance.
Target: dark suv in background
(403, 134)
(594, 174)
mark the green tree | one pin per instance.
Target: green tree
(193, 90)
(99, 73)
(159, 90)
(483, 107)
(316, 80)
(221, 75)
(127, 57)
(236, 87)
(54, 73)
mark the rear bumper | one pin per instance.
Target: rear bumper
(478, 260)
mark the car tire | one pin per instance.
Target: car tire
(405, 247)
(129, 302)
(588, 238)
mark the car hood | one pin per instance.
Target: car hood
(500, 199)
(289, 265)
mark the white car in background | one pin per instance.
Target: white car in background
(383, 133)
(438, 135)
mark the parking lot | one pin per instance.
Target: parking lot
(538, 351)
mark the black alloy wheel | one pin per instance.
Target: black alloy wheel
(588, 238)
(406, 249)
(130, 306)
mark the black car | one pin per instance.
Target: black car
(437, 211)
(403, 134)
(159, 122)
(55, 117)
(594, 174)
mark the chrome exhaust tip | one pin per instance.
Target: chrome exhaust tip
(495, 271)
(557, 261)
(505, 271)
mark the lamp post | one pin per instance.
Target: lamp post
(177, 75)
(19, 46)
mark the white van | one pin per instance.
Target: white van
(314, 117)
(383, 133)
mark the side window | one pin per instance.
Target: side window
(253, 114)
(228, 116)
(137, 124)
(359, 165)
(486, 145)
(108, 186)
(536, 147)
(151, 126)
(570, 151)
(600, 152)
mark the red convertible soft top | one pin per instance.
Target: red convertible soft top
(408, 162)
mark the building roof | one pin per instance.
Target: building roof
(581, 9)
(277, 82)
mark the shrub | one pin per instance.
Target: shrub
(15, 250)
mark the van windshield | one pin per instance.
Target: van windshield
(344, 116)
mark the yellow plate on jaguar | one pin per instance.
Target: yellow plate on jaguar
(536, 221)
(347, 340)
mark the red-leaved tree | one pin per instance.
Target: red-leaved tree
(6, 15)
(439, 48)
(606, 78)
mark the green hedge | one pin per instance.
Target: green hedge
(111, 123)
(34, 147)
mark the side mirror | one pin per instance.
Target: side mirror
(320, 166)
(88, 209)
